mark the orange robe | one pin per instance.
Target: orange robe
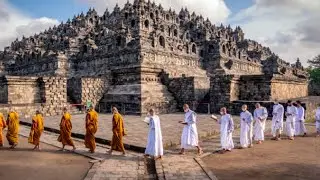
(91, 129)
(36, 129)
(65, 130)
(13, 128)
(2, 126)
(118, 133)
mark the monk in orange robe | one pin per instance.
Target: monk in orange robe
(36, 130)
(2, 126)
(91, 129)
(65, 130)
(118, 132)
(13, 129)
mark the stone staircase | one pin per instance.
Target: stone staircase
(72, 108)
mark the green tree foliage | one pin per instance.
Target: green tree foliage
(315, 75)
(315, 62)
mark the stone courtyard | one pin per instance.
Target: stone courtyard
(137, 57)
(137, 130)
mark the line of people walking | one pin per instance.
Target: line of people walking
(295, 124)
(189, 138)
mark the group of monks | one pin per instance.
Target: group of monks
(189, 138)
(37, 128)
(294, 126)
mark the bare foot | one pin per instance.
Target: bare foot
(200, 152)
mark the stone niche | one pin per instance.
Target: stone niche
(255, 88)
(20, 90)
(135, 90)
(188, 89)
(124, 92)
(83, 89)
(224, 89)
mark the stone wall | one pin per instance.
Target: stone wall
(84, 89)
(223, 89)
(188, 89)
(19, 90)
(24, 110)
(255, 88)
(288, 88)
(54, 93)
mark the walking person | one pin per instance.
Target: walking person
(246, 127)
(36, 130)
(118, 132)
(277, 120)
(13, 128)
(91, 129)
(154, 145)
(300, 128)
(3, 125)
(226, 129)
(318, 120)
(260, 117)
(66, 130)
(291, 119)
(189, 137)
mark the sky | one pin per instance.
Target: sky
(289, 27)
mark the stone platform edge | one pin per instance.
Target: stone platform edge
(98, 140)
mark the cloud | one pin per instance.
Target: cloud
(216, 10)
(14, 24)
(289, 27)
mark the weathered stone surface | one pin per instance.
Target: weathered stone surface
(142, 56)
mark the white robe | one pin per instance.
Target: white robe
(300, 128)
(154, 144)
(246, 129)
(318, 119)
(277, 119)
(189, 136)
(291, 119)
(226, 129)
(260, 116)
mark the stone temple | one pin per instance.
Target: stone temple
(142, 56)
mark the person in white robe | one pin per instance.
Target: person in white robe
(277, 120)
(154, 144)
(318, 120)
(260, 116)
(291, 119)
(189, 137)
(226, 129)
(246, 127)
(300, 128)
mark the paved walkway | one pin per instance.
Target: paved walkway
(190, 166)
(106, 167)
(137, 129)
(134, 166)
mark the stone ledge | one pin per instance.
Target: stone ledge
(204, 167)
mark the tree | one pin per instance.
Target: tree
(315, 62)
(315, 75)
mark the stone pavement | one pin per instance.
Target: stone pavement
(190, 166)
(134, 166)
(137, 129)
(105, 166)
